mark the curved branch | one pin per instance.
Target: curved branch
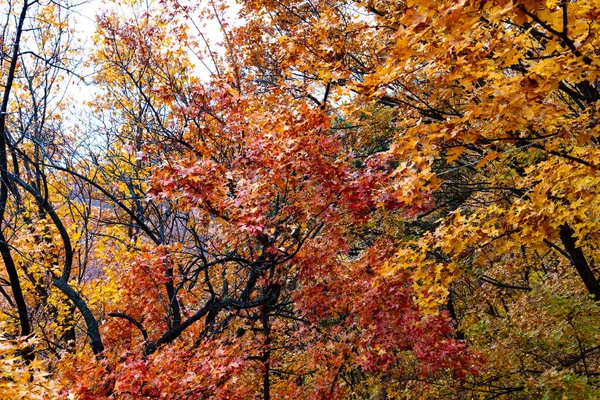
(90, 321)
(43, 203)
(61, 283)
(133, 321)
(175, 332)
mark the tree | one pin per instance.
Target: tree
(245, 224)
(359, 200)
(490, 107)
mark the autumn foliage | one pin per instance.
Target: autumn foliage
(334, 199)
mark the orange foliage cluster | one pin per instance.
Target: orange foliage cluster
(369, 199)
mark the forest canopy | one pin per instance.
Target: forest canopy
(325, 200)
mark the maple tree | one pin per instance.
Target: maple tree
(359, 200)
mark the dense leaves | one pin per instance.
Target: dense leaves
(339, 200)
